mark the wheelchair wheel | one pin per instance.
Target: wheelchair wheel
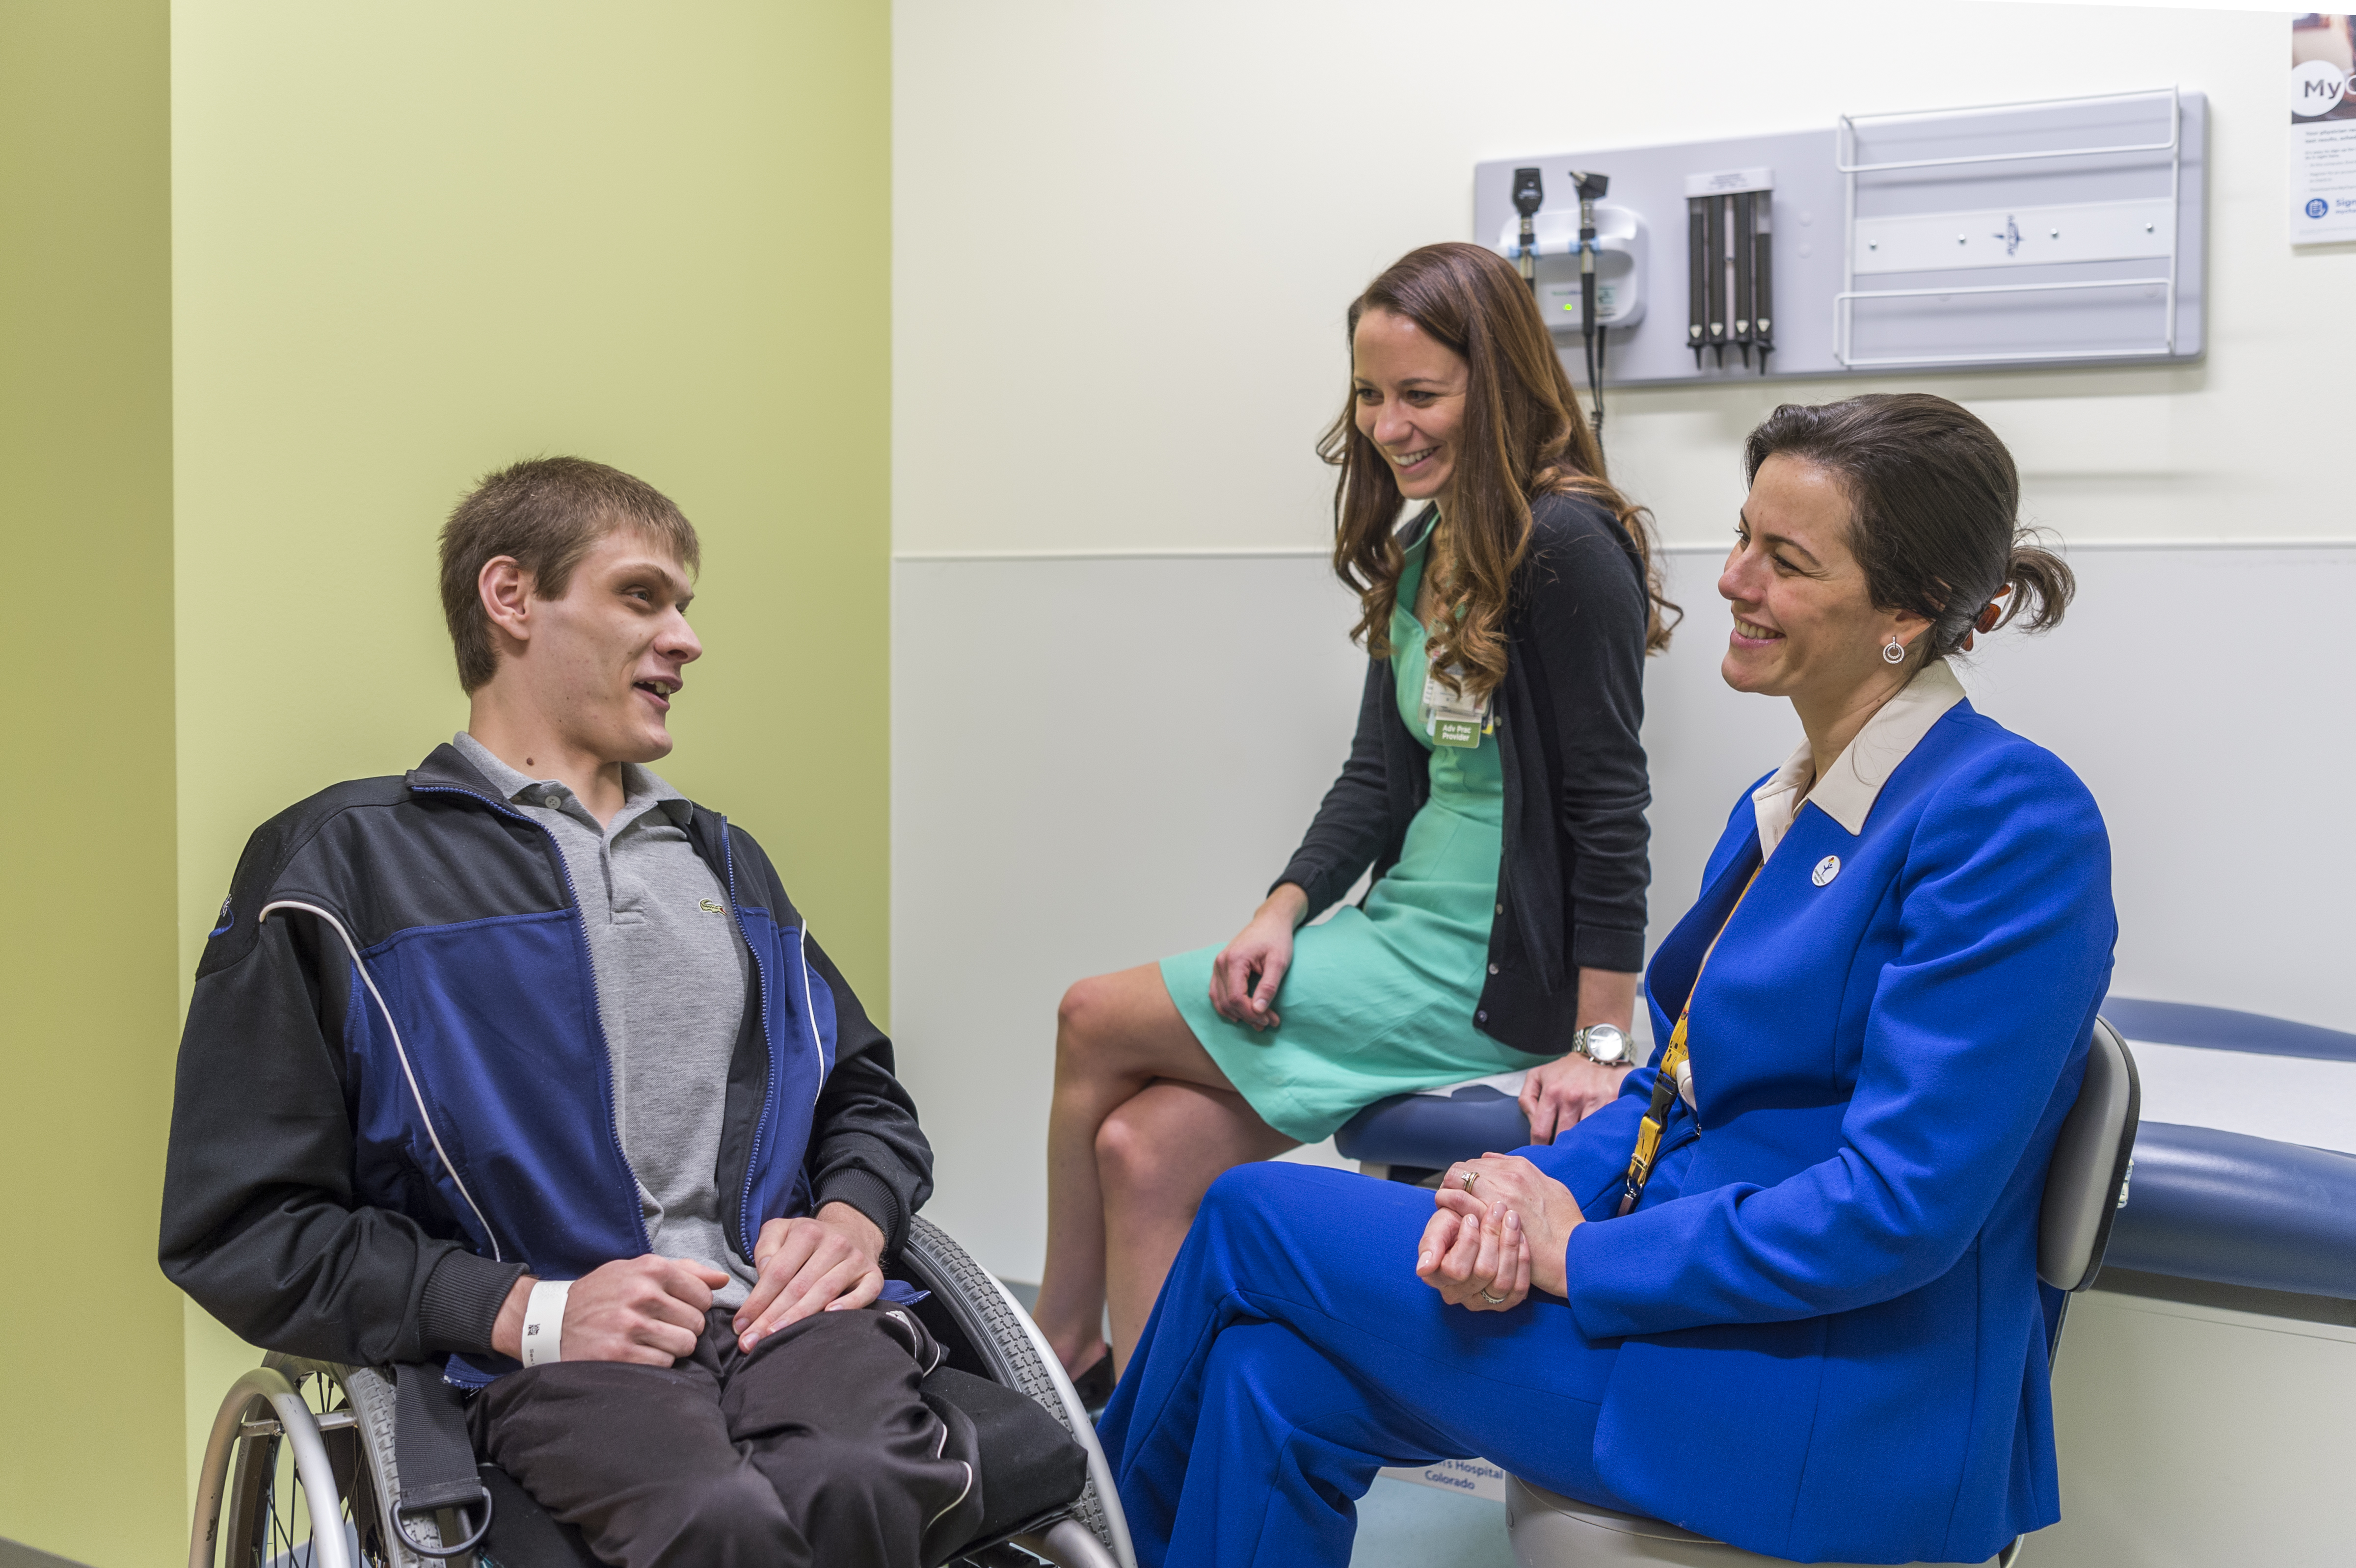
(269, 1512)
(993, 1327)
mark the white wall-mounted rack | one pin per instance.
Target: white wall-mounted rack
(2106, 174)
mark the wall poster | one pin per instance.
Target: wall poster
(2322, 129)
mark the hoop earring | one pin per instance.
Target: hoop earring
(1893, 652)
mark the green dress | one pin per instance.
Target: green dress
(1379, 999)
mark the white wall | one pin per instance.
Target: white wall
(1124, 240)
(1125, 237)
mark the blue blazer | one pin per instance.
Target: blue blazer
(1835, 1339)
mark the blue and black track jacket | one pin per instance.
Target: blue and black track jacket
(394, 1096)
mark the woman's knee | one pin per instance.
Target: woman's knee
(1088, 1020)
(1260, 1188)
(1133, 1149)
(1116, 1033)
(1272, 1202)
(1146, 1155)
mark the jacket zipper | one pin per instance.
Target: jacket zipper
(768, 1066)
(580, 928)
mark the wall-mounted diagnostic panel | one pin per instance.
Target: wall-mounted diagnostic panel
(2066, 231)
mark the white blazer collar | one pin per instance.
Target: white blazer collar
(1851, 785)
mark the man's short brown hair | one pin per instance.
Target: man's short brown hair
(548, 513)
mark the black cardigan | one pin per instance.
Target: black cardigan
(1570, 887)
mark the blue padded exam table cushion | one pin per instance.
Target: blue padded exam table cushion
(2202, 1204)
(1429, 1132)
(2223, 1028)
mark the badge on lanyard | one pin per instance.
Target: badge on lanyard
(1452, 718)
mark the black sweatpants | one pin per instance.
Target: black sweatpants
(816, 1448)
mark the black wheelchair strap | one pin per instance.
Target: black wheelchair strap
(434, 1455)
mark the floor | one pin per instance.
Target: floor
(1401, 1525)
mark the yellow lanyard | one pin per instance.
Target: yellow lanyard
(1664, 1087)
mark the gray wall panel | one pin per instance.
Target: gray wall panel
(1098, 762)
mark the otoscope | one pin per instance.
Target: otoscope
(1529, 195)
(1591, 332)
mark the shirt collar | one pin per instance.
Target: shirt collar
(641, 787)
(1851, 785)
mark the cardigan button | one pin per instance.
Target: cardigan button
(1480, 1017)
(1493, 968)
(1501, 908)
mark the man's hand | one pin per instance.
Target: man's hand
(829, 1264)
(1559, 1094)
(646, 1310)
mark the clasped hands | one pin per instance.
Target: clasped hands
(1498, 1236)
(651, 1310)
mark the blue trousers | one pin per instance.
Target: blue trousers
(1294, 1353)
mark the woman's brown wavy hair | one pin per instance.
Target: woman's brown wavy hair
(1523, 436)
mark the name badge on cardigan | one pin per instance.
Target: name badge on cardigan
(1827, 869)
(1453, 718)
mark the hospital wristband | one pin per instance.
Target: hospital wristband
(543, 1322)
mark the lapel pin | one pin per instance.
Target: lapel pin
(1827, 869)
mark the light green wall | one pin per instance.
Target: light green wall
(279, 282)
(413, 243)
(90, 1334)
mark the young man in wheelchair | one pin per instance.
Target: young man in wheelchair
(524, 1065)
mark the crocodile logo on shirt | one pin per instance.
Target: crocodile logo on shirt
(710, 907)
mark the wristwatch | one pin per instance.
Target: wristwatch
(1602, 1044)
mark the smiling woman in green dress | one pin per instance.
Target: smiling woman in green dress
(1496, 789)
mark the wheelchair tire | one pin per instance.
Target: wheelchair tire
(371, 1395)
(258, 1506)
(978, 1304)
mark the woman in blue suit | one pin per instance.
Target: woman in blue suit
(1782, 1290)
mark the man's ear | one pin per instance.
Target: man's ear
(505, 589)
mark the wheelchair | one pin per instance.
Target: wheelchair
(303, 1466)
(1415, 1137)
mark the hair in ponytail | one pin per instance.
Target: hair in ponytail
(2036, 573)
(1935, 505)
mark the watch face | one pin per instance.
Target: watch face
(1605, 1044)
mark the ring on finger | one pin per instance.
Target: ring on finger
(1468, 1179)
(1492, 1300)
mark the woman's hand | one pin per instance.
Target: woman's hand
(1546, 1210)
(1474, 1254)
(1559, 1094)
(1245, 978)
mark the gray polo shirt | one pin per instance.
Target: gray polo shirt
(670, 974)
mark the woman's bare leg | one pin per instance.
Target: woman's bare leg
(1156, 1154)
(1115, 1034)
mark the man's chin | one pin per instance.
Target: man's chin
(643, 746)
